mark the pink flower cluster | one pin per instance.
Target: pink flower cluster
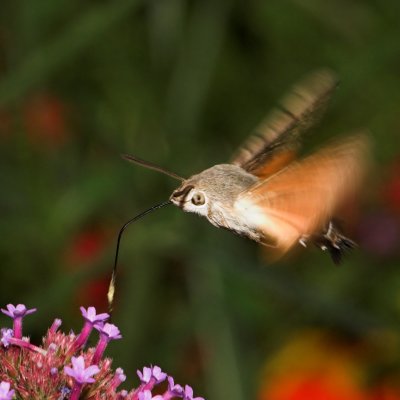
(63, 369)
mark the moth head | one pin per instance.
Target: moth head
(191, 198)
(213, 190)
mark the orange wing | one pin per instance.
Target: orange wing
(302, 197)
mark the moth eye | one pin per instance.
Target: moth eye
(198, 199)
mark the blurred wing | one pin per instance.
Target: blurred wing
(275, 141)
(301, 198)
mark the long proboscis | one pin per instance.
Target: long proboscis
(150, 165)
(111, 287)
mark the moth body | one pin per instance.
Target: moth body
(267, 193)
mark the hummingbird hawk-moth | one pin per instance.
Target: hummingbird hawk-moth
(265, 192)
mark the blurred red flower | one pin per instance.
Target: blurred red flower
(391, 188)
(45, 120)
(87, 248)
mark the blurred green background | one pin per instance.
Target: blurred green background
(182, 83)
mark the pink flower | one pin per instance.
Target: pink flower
(79, 372)
(5, 392)
(91, 316)
(107, 332)
(153, 373)
(19, 311)
(188, 395)
(146, 395)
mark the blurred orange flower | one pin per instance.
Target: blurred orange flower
(318, 366)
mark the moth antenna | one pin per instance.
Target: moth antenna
(111, 286)
(150, 165)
